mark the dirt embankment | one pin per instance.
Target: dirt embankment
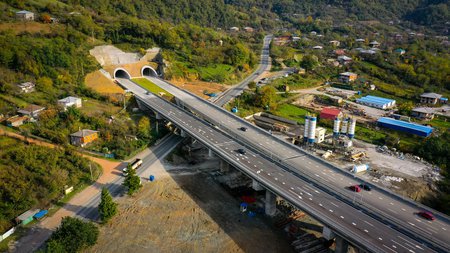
(199, 87)
(186, 212)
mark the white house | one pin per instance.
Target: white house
(69, 101)
(25, 15)
(26, 87)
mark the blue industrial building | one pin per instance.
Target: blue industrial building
(377, 102)
(404, 126)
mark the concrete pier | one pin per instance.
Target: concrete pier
(271, 203)
(341, 245)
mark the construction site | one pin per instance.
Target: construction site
(405, 174)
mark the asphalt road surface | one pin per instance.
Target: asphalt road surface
(380, 201)
(353, 224)
(264, 65)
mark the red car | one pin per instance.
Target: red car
(427, 215)
(355, 188)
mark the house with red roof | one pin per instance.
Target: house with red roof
(330, 113)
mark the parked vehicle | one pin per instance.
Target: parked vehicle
(427, 215)
(136, 164)
(243, 129)
(355, 188)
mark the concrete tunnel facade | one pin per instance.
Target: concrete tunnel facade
(121, 73)
(148, 71)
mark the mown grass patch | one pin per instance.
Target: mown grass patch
(216, 72)
(153, 88)
(291, 112)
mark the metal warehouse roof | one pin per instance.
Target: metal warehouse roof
(406, 126)
(375, 100)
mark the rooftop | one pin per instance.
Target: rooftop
(347, 74)
(407, 125)
(375, 100)
(69, 99)
(32, 108)
(27, 214)
(423, 110)
(24, 12)
(83, 133)
(431, 95)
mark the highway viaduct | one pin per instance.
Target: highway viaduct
(343, 220)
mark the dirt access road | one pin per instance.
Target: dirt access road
(184, 210)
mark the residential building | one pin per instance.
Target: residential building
(16, 121)
(347, 77)
(281, 40)
(330, 113)
(344, 60)
(83, 137)
(334, 43)
(248, 29)
(377, 102)
(26, 87)
(360, 40)
(317, 47)
(400, 51)
(32, 110)
(25, 15)
(26, 217)
(69, 101)
(339, 52)
(313, 33)
(374, 43)
(234, 29)
(430, 98)
(423, 113)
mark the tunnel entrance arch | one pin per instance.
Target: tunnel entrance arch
(121, 73)
(148, 71)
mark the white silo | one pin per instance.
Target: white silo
(337, 122)
(312, 129)
(305, 134)
(344, 126)
(351, 128)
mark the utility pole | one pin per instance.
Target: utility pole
(90, 169)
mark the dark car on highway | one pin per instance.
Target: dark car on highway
(243, 129)
(365, 187)
(241, 151)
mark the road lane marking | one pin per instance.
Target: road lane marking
(354, 224)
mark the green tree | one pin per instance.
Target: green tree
(132, 181)
(45, 84)
(107, 207)
(267, 97)
(73, 235)
(309, 62)
(144, 128)
(405, 108)
(252, 85)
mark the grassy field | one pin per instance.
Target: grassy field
(216, 72)
(291, 112)
(153, 88)
(440, 122)
(93, 107)
(13, 100)
(297, 82)
(101, 84)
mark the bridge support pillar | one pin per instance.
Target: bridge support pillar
(224, 166)
(341, 245)
(271, 203)
(327, 233)
(210, 153)
(182, 133)
(141, 105)
(157, 115)
(256, 185)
